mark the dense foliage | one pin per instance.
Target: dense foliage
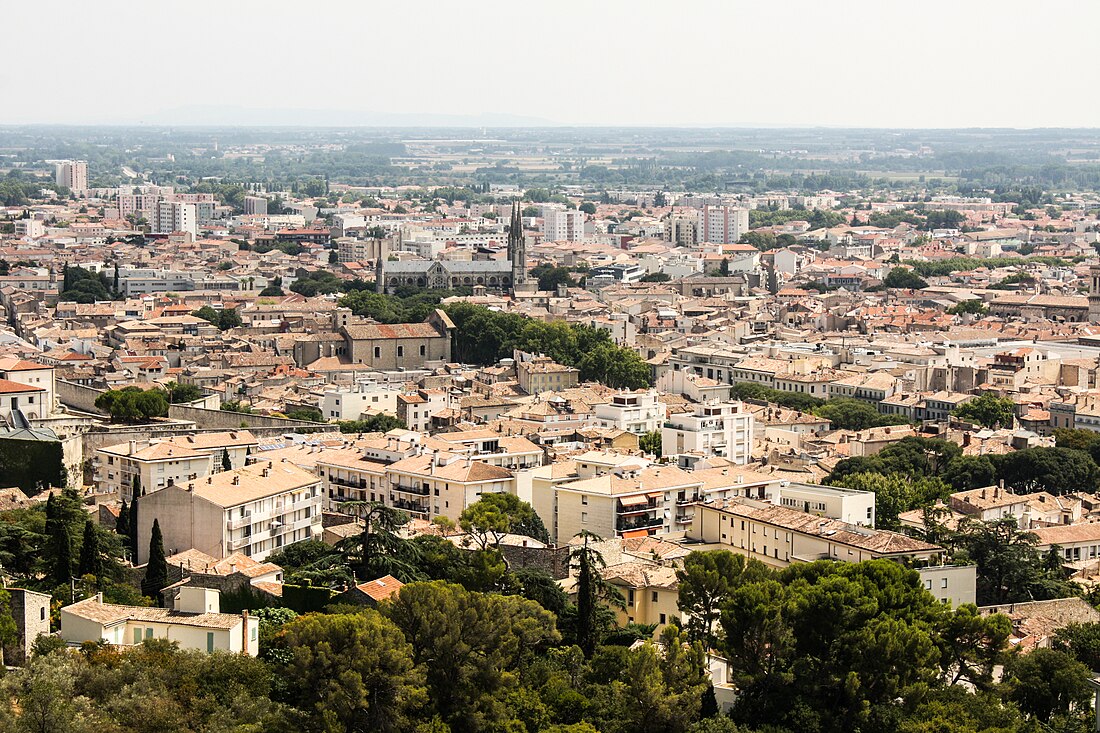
(483, 336)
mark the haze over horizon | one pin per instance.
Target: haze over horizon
(737, 64)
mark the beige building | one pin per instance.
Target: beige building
(159, 462)
(255, 510)
(195, 623)
(779, 536)
(651, 593)
(638, 412)
(542, 374)
(443, 484)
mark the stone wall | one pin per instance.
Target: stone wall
(553, 560)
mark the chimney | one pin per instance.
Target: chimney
(244, 631)
(237, 480)
(983, 493)
(133, 447)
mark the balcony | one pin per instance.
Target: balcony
(651, 506)
(408, 506)
(415, 490)
(626, 525)
(239, 522)
(238, 544)
(687, 500)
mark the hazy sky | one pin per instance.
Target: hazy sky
(881, 63)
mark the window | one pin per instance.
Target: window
(943, 582)
(209, 642)
(423, 350)
(928, 584)
(137, 636)
(584, 517)
(653, 598)
(148, 633)
(377, 352)
(253, 634)
(662, 618)
(584, 500)
(400, 350)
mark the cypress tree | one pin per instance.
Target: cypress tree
(227, 463)
(63, 560)
(156, 571)
(135, 489)
(91, 561)
(122, 525)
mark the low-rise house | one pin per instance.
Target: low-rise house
(195, 622)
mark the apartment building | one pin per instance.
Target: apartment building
(364, 399)
(255, 205)
(723, 224)
(537, 374)
(712, 429)
(194, 621)
(562, 225)
(349, 476)
(254, 510)
(159, 462)
(443, 484)
(73, 175)
(416, 409)
(779, 536)
(176, 216)
(634, 412)
(628, 500)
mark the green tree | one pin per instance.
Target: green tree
(132, 404)
(852, 414)
(228, 318)
(704, 585)
(380, 423)
(179, 393)
(588, 208)
(156, 570)
(469, 643)
(207, 313)
(896, 493)
(1046, 682)
(988, 410)
(651, 443)
(91, 557)
(354, 671)
(903, 277)
(377, 550)
(493, 516)
(1009, 566)
(227, 462)
(972, 307)
(970, 472)
(592, 589)
(1056, 470)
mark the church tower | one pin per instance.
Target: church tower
(517, 251)
(379, 273)
(1094, 294)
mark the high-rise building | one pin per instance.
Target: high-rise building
(73, 175)
(174, 216)
(254, 205)
(562, 225)
(723, 224)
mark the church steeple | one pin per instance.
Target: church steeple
(517, 248)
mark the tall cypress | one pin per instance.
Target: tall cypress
(63, 559)
(122, 524)
(91, 561)
(227, 462)
(156, 571)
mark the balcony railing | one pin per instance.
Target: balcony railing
(417, 490)
(687, 500)
(625, 525)
(651, 506)
(408, 506)
(239, 522)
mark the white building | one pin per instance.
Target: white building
(365, 399)
(562, 225)
(175, 216)
(255, 205)
(635, 412)
(713, 429)
(73, 175)
(255, 510)
(723, 224)
(195, 622)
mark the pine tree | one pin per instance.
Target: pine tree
(227, 463)
(91, 561)
(135, 489)
(156, 571)
(122, 524)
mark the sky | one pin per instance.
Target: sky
(723, 63)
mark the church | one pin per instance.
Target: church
(444, 275)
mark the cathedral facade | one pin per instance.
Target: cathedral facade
(503, 275)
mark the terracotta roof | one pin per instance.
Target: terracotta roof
(382, 588)
(110, 614)
(9, 387)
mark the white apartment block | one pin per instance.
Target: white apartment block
(365, 399)
(723, 224)
(255, 205)
(562, 225)
(635, 412)
(73, 175)
(713, 429)
(176, 460)
(255, 510)
(175, 216)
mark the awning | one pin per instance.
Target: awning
(658, 496)
(633, 500)
(635, 533)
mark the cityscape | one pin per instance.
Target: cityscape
(365, 398)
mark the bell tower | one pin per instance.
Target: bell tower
(1094, 294)
(517, 250)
